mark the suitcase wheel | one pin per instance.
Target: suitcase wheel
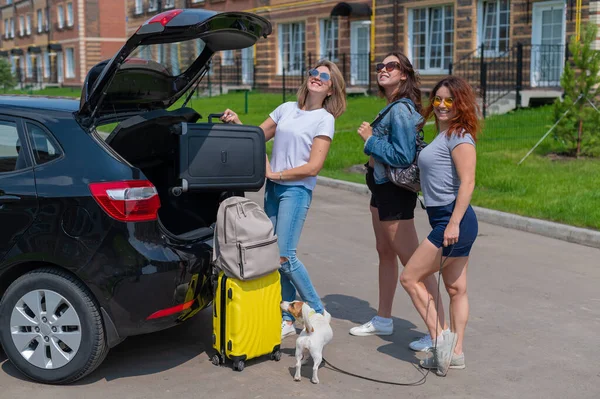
(216, 359)
(238, 365)
(276, 356)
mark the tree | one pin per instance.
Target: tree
(7, 79)
(581, 77)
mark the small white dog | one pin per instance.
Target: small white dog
(316, 334)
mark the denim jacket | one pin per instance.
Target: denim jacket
(394, 138)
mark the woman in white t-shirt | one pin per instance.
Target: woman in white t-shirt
(302, 132)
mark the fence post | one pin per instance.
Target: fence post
(283, 79)
(221, 79)
(484, 88)
(450, 68)
(239, 72)
(310, 60)
(519, 75)
(369, 69)
(344, 67)
(253, 75)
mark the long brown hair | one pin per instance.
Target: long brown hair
(465, 104)
(335, 104)
(408, 88)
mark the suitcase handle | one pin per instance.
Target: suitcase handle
(214, 116)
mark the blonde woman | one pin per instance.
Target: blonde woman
(302, 132)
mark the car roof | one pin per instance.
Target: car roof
(40, 102)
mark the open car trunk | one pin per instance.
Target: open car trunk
(192, 165)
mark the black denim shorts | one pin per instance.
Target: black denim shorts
(392, 202)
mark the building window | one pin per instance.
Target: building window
(70, 62)
(46, 64)
(291, 48)
(153, 5)
(69, 14)
(159, 53)
(139, 7)
(6, 28)
(227, 58)
(46, 20)
(329, 39)
(169, 3)
(40, 21)
(494, 25)
(28, 25)
(197, 1)
(431, 38)
(28, 66)
(21, 26)
(12, 28)
(175, 59)
(61, 17)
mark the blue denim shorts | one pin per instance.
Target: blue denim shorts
(439, 217)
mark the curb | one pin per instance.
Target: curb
(558, 231)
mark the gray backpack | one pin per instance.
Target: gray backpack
(245, 246)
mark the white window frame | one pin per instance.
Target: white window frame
(28, 24)
(12, 27)
(227, 58)
(60, 13)
(47, 64)
(70, 16)
(21, 26)
(197, 1)
(152, 5)
(481, 25)
(139, 7)
(326, 33)
(6, 28)
(40, 21)
(297, 51)
(69, 66)
(28, 66)
(168, 4)
(427, 70)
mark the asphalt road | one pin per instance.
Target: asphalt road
(532, 333)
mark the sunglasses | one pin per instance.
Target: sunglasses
(324, 76)
(448, 102)
(389, 67)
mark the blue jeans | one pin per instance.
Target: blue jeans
(287, 207)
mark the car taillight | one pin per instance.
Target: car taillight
(164, 17)
(127, 201)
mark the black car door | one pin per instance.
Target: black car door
(18, 198)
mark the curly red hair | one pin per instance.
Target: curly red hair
(465, 104)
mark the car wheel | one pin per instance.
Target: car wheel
(51, 328)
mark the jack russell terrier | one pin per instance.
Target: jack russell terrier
(316, 334)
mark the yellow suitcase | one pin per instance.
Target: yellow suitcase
(246, 319)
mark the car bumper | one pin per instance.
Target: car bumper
(145, 284)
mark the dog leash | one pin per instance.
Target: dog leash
(424, 374)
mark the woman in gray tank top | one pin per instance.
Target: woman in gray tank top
(447, 168)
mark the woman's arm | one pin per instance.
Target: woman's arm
(465, 159)
(318, 153)
(400, 148)
(268, 126)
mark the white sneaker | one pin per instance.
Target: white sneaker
(287, 329)
(376, 326)
(423, 344)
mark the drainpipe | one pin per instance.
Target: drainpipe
(395, 26)
(373, 32)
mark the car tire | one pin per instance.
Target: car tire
(23, 330)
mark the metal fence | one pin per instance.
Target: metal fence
(240, 73)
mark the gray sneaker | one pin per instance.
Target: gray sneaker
(457, 362)
(444, 352)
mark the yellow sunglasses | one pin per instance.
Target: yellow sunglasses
(448, 102)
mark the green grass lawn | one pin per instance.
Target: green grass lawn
(49, 91)
(551, 188)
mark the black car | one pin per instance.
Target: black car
(105, 236)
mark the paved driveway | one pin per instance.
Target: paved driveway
(533, 330)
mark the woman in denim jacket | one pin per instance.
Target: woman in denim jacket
(392, 141)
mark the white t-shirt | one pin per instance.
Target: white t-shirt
(294, 135)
